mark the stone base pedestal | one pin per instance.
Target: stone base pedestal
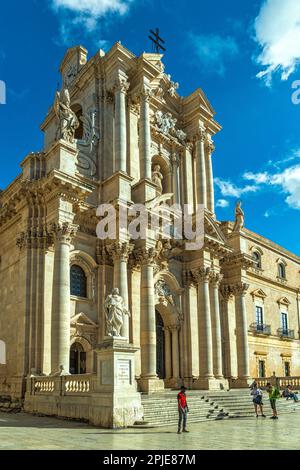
(151, 384)
(240, 382)
(210, 383)
(115, 402)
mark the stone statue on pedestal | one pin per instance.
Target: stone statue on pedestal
(115, 310)
(157, 178)
(239, 217)
(68, 122)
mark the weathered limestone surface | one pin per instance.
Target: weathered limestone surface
(119, 133)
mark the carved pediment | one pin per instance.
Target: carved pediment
(283, 301)
(259, 293)
(81, 319)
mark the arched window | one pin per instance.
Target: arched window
(2, 353)
(257, 259)
(78, 281)
(281, 270)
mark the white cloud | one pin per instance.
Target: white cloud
(277, 31)
(229, 189)
(78, 16)
(222, 203)
(213, 50)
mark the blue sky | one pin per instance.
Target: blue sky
(243, 54)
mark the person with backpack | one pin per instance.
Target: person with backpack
(274, 394)
(257, 400)
(182, 410)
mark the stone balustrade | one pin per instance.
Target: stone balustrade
(62, 385)
(281, 382)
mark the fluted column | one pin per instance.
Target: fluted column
(145, 134)
(240, 290)
(216, 322)
(168, 349)
(201, 168)
(120, 90)
(120, 253)
(209, 177)
(60, 321)
(202, 277)
(175, 352)
(148, 321)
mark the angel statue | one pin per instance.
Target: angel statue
(115, 310)
(68, 122)
(239, 217)
(157, 178)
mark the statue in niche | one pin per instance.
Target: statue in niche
(68, 122)
(115, 310)
(157, 178)
(239, 217)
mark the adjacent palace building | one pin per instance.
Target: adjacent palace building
(210, 318)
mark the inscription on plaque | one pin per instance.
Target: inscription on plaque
(106, 372)
(124, 371)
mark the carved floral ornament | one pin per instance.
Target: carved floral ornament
(120, 251)
(200, 275)
(165, 123)
(63, 232)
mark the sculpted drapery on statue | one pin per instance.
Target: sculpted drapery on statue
(157, 178)
(115, 310)
(239, 217)
(68, 122)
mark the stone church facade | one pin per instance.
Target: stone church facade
(211, 318)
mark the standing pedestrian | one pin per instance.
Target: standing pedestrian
(257, 400)
(182, 410)
(274, 394)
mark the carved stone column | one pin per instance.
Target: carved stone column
(168, 349)
(149, 380)
(145, 134)
(175, 352)
(240, 290)
(216, 323)
(120, 253)
(201, 168)
(175, 179)
(121, 88)
(60, 321)
(202, 276)
(210, 178)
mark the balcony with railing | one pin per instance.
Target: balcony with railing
(286, 333)
(260, 329)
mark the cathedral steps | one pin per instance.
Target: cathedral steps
(161, 409)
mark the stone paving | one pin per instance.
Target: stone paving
(26, 432)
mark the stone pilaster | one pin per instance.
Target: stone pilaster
(145, 134)
(209, 176)
(240, 291)
(168, 357)
(62, 233)
(216, 324)
(201, 168)
(120, 90)
(175, 352)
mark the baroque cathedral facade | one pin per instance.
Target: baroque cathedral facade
(212, 318)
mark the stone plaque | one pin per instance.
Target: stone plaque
(106, 372)
(124, 371)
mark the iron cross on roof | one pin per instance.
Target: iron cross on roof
(157, 41)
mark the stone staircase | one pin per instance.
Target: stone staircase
(161, 409)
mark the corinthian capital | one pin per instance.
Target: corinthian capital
(121, 85)
(120, 251)
(63, 232)
(210, 146)
(201, 275)
(146, 93)
(201, 135)
(216, 278)
(240, 288)
(146, 256)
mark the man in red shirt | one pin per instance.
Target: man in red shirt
(182, 409)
